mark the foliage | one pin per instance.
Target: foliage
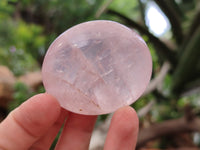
(22, 93)
(123, 8)
(21, 45)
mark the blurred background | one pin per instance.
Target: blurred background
(169, 110)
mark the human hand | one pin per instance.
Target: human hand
(35, 124)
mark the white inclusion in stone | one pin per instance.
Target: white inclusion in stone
(60, 44)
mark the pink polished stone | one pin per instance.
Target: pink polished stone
(97, 67)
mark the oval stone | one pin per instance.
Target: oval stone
(97, 67)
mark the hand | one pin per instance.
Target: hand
(35, 124)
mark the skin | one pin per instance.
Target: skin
(35, 124)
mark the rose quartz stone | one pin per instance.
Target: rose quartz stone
(97, 67)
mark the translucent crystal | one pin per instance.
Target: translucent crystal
(97, 67)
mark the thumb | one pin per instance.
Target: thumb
(29, 122)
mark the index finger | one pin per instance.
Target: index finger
(27, 123)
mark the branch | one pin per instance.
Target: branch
(144, 110)
(195, 24)
(170, 127)
(186, 69)
(99, 134)
(142, 12)
(191, 92)
(158, 79)
(103, 8)
(161, 48)
(192, 29)
(176, 8)
(185, 148)
(173, 18)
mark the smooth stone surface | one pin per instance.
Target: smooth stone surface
(97, 67)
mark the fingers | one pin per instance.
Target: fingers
(76, 133)
(28, 122)
(123, 130)
(46, 141)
